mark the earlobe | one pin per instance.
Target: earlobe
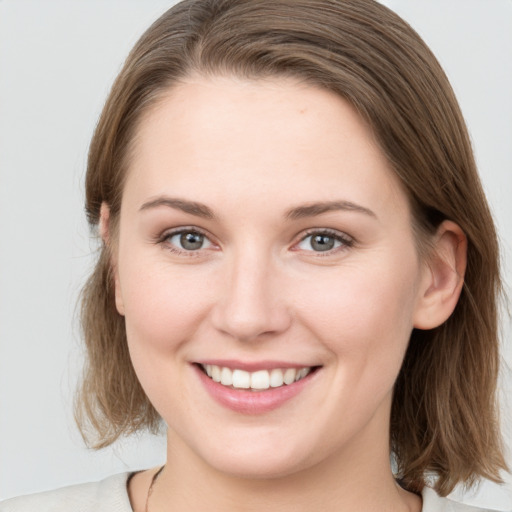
(105, 233)
(443, 277)
(118, 295)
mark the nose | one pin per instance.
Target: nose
(253, 304)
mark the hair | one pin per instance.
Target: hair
(444, 417)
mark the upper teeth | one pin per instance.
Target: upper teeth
(261, 379)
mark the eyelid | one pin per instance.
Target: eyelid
(346, 240)
(169, 233)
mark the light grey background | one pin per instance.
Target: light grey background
(57, 62)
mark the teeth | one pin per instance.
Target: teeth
(241, 379)
(302, 373)
(289, 375)
(226, 377)
(276, 378)
(216, 373)
(259, 380)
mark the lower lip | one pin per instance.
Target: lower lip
(253, 402)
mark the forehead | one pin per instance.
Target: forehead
(224, 138)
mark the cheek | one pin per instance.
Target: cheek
(363, 314)
(164, 307)
(163, 304)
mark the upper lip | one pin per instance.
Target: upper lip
(252, 366)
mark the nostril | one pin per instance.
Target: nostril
(250, 321)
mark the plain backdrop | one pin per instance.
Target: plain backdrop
(57, 62)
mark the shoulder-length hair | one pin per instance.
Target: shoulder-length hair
(444, 412)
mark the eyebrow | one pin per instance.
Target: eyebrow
(313, 209)
(192, 207)
(298, 212)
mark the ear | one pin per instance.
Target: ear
(443, 277)
(104, 223)
(106, 236)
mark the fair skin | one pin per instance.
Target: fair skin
(221, 259)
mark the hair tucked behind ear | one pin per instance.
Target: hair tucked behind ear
(444, 414)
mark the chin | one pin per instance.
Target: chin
(265, 458)
(260, 468)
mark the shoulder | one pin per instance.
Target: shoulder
(434, 503)
(109, 495)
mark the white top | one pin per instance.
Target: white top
(111, 495)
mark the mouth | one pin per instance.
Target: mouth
(260, 380)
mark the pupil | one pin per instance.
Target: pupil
(191, 241)
(322, 243)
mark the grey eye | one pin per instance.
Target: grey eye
(319, 242)
(189, 241)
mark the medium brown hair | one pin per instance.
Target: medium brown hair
(444, 413)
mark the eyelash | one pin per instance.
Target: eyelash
(345, 241)
(164, 239)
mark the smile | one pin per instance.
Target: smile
(260, 380)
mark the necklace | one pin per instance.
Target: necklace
(150, 490)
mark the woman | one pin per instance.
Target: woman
(299, 272)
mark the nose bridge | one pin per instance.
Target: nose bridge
(251, 304)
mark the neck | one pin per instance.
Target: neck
(346, 481)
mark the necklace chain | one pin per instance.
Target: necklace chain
(150, 490)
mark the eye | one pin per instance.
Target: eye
(188, 240)
(324, 241)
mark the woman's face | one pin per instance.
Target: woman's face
(264, 240)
